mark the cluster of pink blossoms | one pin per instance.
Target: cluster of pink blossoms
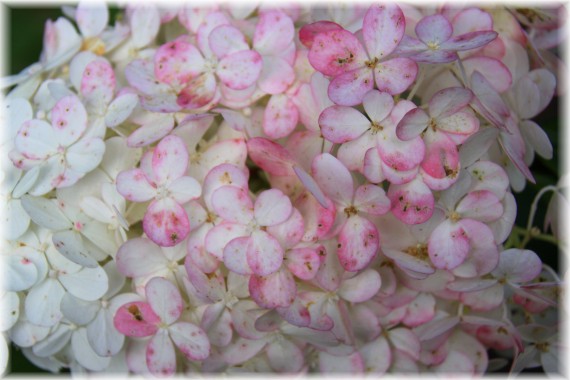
(289, 189)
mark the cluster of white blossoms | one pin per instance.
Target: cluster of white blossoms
(280, 188)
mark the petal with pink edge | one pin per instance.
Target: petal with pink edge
(468, 41)
(412, 202)
(349, 88)
(136, 319)
(340, 124)
(377, 356)
(382, 29)
(333, 178)
(164, 299)
(270, 156)
(482, 205)
(395, 75)
(276, 75)
(285, 356)
(264, 253)
(166, 222)
(406, 341)
(219, 236)
(177, 62)
(169, 160)
(361, 287)
(235, 255)
(240, 70)
(280, 117)
(134, 186)
(336, 52)
(98, 82)
(308, 32)
(199, 92)
(358, 242)
(276, 290)
(448, 245)
(303, 262)
(85, 155)
(371, 199)
(69, 120)
(190, 340)
(160, 355)
(272, 207)
(233, 204)
(290, 232)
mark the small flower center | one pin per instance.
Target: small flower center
(351, 210)
(372, 63)
(376, 127)
(419, 251)
(433, 45)
(454, 216)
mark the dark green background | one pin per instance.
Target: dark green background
(24, 43)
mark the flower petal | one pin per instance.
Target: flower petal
(348, 88)
(272, 207)
(191, 340)
(160, 354)
(340, 124)
(240, 70)
(358, 242)
(448, 245)
(233, 204)
(335, 52)
(166, 222)
(382, 29)
(164, 299)
(333, 178)
(276, 290)
(264, 253)
(136, 319)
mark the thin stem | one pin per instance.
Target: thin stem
(419, 80)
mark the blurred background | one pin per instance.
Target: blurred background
(24, 43)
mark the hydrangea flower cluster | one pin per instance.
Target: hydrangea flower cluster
(289, 189)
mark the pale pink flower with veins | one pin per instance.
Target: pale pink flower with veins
(161, 178)
(159, 319)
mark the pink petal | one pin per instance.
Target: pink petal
(139, 257)
(233, 204)
(222, 175)
(482, 205)
(382, 29)
(412, 124)
(371, 199)
(372, 166)
(395, 75)
(166, 222)
(280, 117)
(190, 340)
(361, 287)
(240, 70)
(264, 253)
(276, 75)
(273, 33)
(164, 299)
(225, 40)
(136, 319)
(276, 290)
(340, 124)
(333, 178)
(242, 350)
(270, 156)
(311, 185)
(469, 41)
(448, 245)
(200, 91)
(303, 262)
(290, 232)
(349, 88)
(160, 355)
(217, 238)
(459, 126)
(412, 202)
(272, 207)
(336, 52)
(170, 159)
(377, 105)
(420, 311)
(435, 29)
(134, 186)
(177, 62)
(440, 167)
(98, 82)
(69, 120)
(308, 32)
(518, 266)
(235, 255)
(317, 219)
(449, 101)
(358, 242)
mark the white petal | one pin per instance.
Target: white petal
(56, 341)
(45, 213)
(78, 311)
(84, 354)
(102, 335)
(71, 245)
(120, 109)
(42, 303)
(88, 284)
